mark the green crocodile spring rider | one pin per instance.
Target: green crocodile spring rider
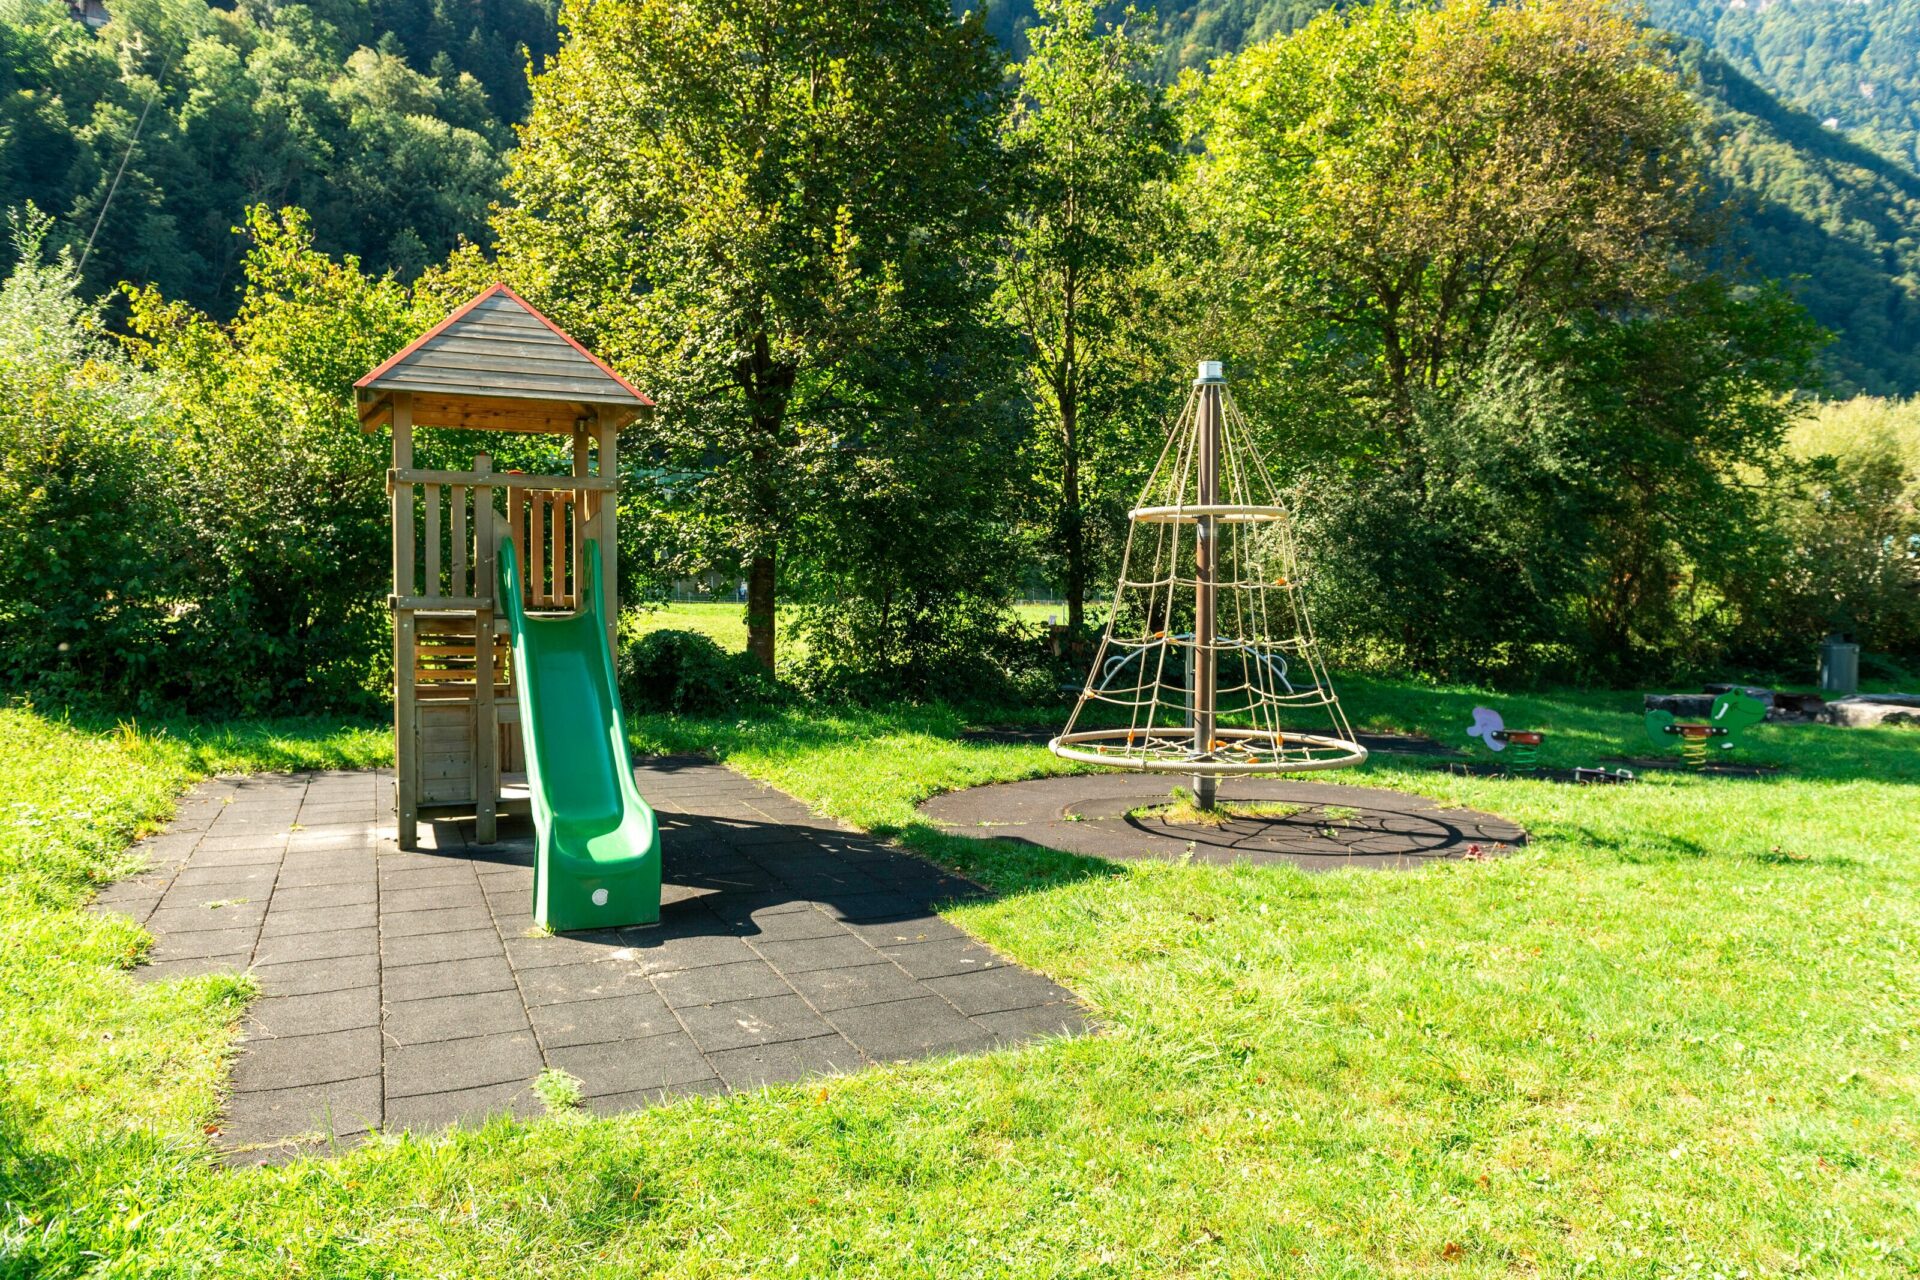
(1732, 715)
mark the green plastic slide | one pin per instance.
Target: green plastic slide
(598, 863)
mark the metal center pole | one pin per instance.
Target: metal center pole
(1206, 570)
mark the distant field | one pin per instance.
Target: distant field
(726, 621)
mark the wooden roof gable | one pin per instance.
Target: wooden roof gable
(495, 361)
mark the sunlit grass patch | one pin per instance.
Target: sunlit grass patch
(1183, 808)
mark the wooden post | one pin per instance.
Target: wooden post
(1206, 557)
(582, 508)
(607, 519)
(486, 726)
(405, 741)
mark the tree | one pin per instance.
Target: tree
(282, 535)
(1094, 144)
(1411, 175)
(1533, 436)
(774, 213)
(86, 589)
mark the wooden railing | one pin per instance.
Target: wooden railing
(445, 560)
(546, 526)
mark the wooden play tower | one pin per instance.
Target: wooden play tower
(496, 364)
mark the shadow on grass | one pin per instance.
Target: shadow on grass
(1655, 848)
(1005, 866)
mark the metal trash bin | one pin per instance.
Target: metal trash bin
(1839, 665)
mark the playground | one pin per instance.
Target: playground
(525, 984)
(1676, 1024)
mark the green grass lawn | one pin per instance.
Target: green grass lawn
(1677, 1035)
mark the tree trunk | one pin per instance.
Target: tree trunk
(1073, 525)
(767, 385)
(1073, 530)
(760, 609)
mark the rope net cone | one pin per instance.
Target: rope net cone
(1208, 664)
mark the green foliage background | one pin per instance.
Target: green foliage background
(385, 120)
(1531, 433)
(1832, 211)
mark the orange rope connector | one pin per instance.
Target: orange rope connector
(1280, 582)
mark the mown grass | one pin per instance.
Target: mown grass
(1674, 1036)
(725, 621)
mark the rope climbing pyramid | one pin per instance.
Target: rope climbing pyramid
(1208, 664)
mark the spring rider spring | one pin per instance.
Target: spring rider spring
(1490, 728)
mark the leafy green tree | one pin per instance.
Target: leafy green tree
(774, 214)
(1094, 144)
(85, 594)
(1851, 535)
(1412, 174)
(283, 532)
(1529, 435)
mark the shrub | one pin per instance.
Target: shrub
(284, 526)
(686, 673)
(88, 544)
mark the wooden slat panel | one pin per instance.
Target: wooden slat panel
(517, 378)
(556, 421)
(557, 507)
(505, 309)
(460, 407)
(537, 543)
(504, 328)
(435, 602)
(460, 585)
(476, 352)
(464, 651)
(517, 530)
(537, 549)
(431, 494)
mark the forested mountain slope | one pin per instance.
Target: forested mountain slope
(1834, 219)
(385, 120)
(1854, 64)
(1808, 204)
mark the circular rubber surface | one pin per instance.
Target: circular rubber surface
(1333, 826)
